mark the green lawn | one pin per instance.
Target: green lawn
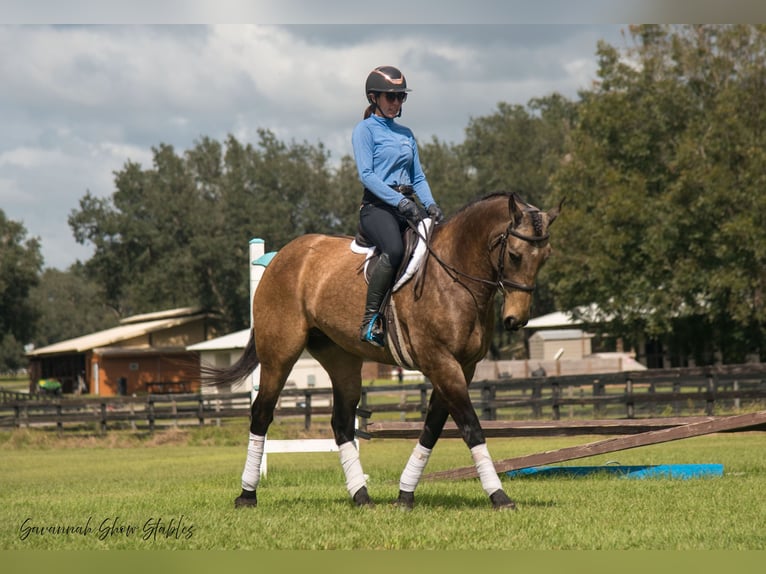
(175, 490)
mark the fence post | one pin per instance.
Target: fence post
(59, 422)
(537, 394)
(103, 418)
(629, 405)
(712, 383)
(150, 412)
(307, 419)
(735, 388)
(363, 405)
(652, 390)
(598, 389)
(488, 393)
(556, 395)
(201, 409)
(174, 411)
(132, 410)
(676, 402)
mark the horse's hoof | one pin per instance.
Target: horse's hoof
(362, 498)
(406, 501)
(247, 498)
(500, 501)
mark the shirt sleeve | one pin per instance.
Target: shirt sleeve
(419, 181)
(363, 143)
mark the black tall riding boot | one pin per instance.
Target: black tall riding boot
(373, 329)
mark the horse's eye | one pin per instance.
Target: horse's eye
(514, 256)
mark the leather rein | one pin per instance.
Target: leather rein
(501, 284)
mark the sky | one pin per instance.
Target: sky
(90, 85)
(79, 101)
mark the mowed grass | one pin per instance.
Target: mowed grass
(175, 490)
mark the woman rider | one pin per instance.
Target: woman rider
(387, 159)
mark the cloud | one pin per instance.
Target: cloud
(79, 101)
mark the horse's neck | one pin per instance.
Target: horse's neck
(464, 244)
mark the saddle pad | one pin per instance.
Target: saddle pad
(418, 254)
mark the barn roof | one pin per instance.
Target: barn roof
(236, 340)
(129, 328)
(560, 335)
(557, 319)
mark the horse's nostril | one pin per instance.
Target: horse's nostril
(511, 323)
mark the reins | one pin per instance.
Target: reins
(501, 284)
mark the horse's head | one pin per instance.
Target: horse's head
(521, 249)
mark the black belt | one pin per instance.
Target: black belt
(370, 197)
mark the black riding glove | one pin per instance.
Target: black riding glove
(410, 210)
(436, 213)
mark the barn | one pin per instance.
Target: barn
(144, 353)
(554, 343)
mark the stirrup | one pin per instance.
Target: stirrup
(373, 332)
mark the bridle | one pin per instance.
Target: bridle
(500, 283)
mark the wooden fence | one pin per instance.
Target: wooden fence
(628, 395)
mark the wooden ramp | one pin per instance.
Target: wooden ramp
(509, 429)
(739, 422)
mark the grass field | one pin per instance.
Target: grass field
(174, 490)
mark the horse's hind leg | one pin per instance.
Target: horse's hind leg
(277, 361)
(345, 372)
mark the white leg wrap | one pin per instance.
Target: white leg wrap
(251, 476)
(414, 469)
(352, 467)
(490, 482)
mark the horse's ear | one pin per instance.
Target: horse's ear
(554, 213)
(515, 208)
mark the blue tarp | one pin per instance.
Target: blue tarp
(682, 471)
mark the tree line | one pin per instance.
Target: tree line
(661, 163)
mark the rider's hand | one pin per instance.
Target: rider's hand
(436, 213)
(410, 210)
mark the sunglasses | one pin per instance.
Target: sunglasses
(393, 96)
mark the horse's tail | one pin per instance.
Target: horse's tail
(235, 373)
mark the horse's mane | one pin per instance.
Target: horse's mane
(487, 197)
(535, 214)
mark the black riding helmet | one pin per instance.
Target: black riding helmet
(385, 79)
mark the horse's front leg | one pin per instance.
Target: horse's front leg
(451, 384)
(436, 417)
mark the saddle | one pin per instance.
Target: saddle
(415, 250)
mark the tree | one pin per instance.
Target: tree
(69, 306)
(664, 224)
(20, 265)
(177, 234)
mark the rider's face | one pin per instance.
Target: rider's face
(390, 103)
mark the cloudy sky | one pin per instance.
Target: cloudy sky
(78, 101)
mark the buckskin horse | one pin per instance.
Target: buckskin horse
(311, 296)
